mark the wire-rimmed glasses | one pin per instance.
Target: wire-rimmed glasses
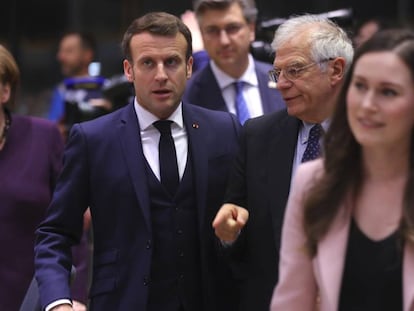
(292, 72)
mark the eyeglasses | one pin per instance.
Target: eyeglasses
(214, 32)
(292, 72)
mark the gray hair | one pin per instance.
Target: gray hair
(329, 41)
(248, 7)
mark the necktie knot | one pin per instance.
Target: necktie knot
(312, 147)
(239, 86)
(163, 126)
(241, 105)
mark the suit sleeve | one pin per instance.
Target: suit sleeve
(62, 226)
(296, 289)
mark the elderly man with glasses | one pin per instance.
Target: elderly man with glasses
(233, 80)
(312, 56)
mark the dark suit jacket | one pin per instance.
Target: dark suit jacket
(104, 168)
(203, 90)
(260, 182)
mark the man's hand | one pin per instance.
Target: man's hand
(78, 306)
(63, 307)
(230, 219)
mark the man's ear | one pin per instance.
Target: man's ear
(337, 70)
(190, 67)
(129, 73)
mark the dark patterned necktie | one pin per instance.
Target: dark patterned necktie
(312, 147)
(167, 157)
(241, 105)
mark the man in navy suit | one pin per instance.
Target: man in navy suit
(228, 28)
(154, 248)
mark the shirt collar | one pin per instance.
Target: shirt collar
(146, 118)
(224, 80)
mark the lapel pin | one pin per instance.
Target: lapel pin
(195, 125)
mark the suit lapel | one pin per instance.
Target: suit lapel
(330, 258)
(197, 133)
(211, 92)
(267, 100)
(281, 141)
(129, 135)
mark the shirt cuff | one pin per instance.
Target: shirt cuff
(58, 302)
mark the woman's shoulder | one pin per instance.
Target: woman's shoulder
(25, 120)
(311, 167)
(35, 127)
(307, 172)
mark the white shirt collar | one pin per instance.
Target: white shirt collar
(224, 80)
(146, 118)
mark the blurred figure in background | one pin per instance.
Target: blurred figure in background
(367, 28)
(233, 80)
(79, 96)
(30, 161)
(200, 55)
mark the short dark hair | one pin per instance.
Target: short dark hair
(87, 40)
(248, 7)
(158, 23)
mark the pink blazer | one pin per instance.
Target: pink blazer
(314, 284)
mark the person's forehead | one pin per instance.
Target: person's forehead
(211, 15)
(147, 40)
(147, 36)
(71, 41)
(291, 52)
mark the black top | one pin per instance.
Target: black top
(372, 278)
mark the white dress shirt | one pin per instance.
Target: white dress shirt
(150, 138)
(251, 91)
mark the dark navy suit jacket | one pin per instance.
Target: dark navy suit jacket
(104, 168)
(260, 182)
(203, 90)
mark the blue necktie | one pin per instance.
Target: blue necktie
(312, 147)
(241, 106)
(168, 157)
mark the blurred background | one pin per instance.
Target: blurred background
(31, 30)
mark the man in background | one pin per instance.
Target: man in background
(233, 80)
(79, 96)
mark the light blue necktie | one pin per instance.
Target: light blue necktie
(241, 106)
(312, 147)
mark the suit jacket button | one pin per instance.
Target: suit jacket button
(148, 246)
(146, 281)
